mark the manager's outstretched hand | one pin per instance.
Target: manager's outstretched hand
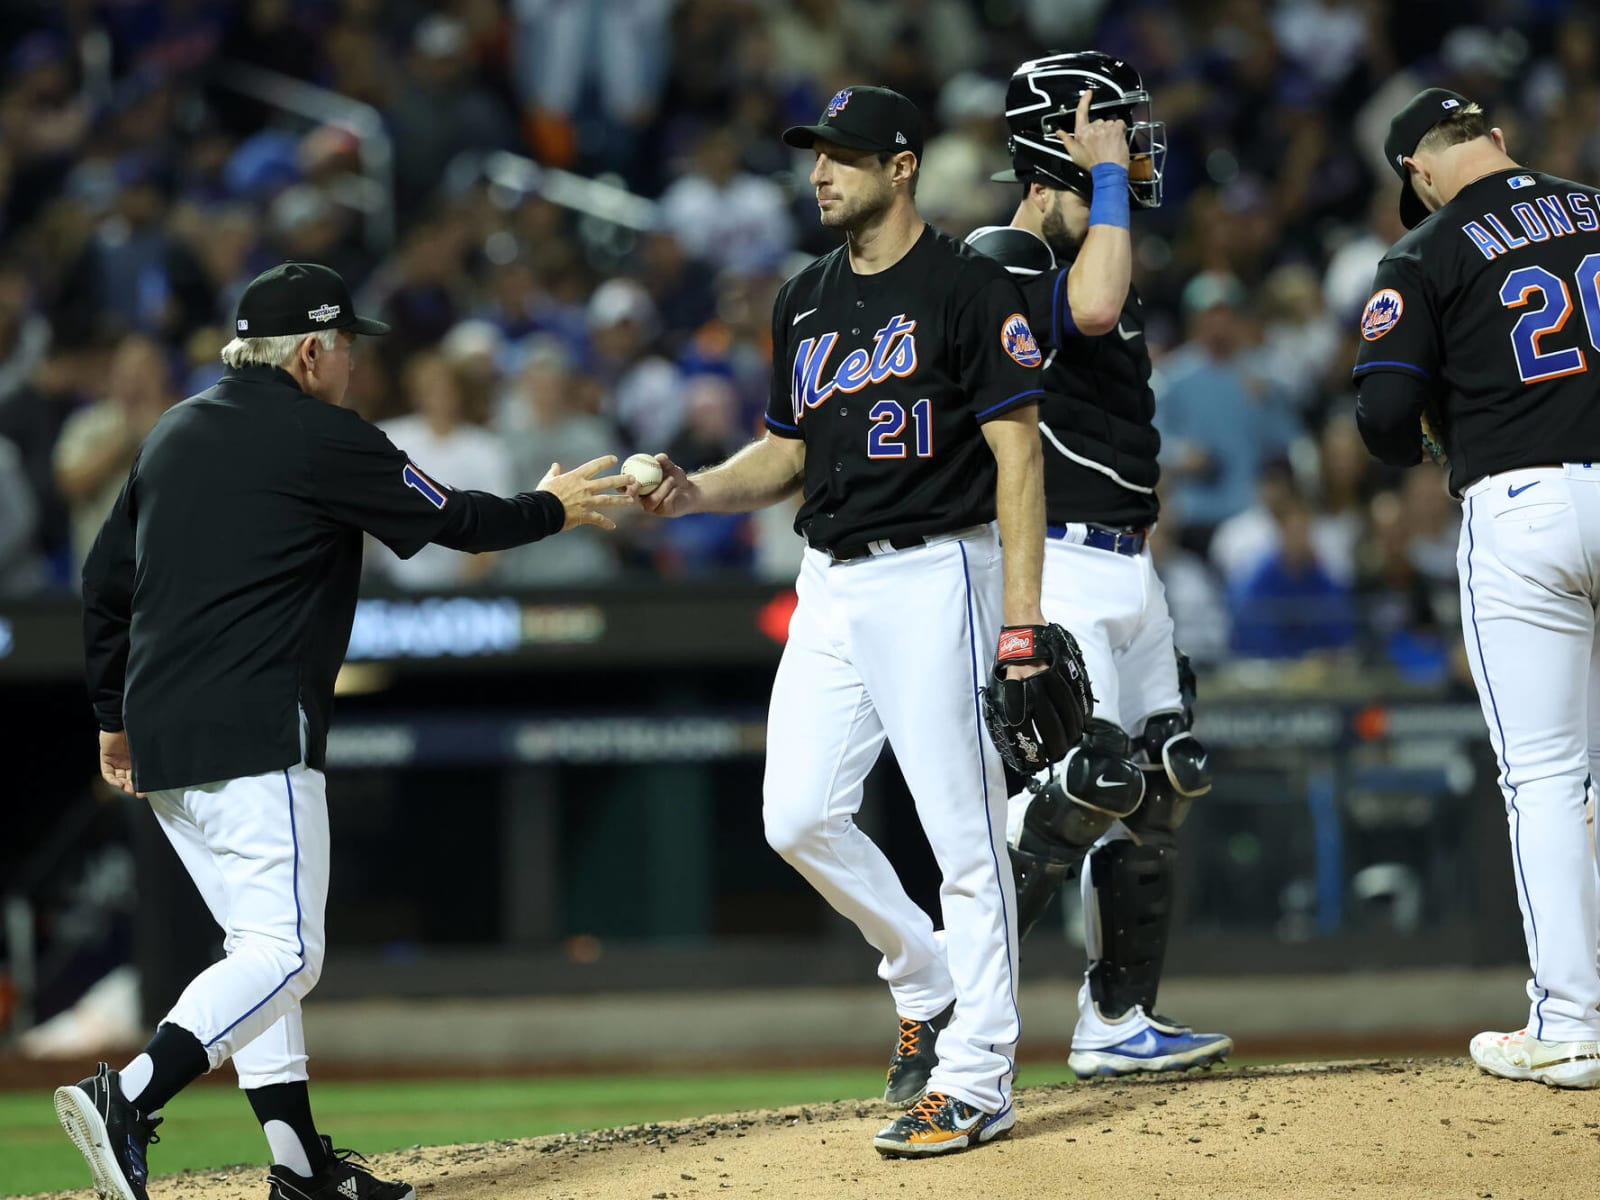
(582, 495)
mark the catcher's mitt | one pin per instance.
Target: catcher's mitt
(1035, 721)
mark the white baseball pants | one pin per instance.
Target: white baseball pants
(1529, 563)
(895, 647)
(257, 848)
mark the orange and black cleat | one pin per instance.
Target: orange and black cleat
(942, 1124)
(914, 1058)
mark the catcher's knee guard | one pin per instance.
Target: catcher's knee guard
(1167, 742)
(1133, 892)
(1096, 786)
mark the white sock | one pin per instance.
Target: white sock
(136, 1077)
(286, 1148)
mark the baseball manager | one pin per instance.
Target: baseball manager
(218, 600)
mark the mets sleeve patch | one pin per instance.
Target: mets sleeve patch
(1019, 342)
(1381, 314)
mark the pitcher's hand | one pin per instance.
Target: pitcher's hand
(676, 495)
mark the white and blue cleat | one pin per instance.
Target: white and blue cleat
(1158, 1047)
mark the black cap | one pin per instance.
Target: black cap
(295, 297)
(864, 118)
(1425, 110)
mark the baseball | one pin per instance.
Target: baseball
(644, 470)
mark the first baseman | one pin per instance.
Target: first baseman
(1482, 334)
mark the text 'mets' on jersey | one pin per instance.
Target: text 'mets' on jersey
(1492, 302)
(1097, 419)
(887, 378)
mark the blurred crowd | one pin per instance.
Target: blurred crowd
(155, 154)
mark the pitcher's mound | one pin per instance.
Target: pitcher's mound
(1390, 1128)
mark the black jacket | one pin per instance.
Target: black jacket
(219, 595)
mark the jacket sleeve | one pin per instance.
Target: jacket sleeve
(108, 574)
(478, 522)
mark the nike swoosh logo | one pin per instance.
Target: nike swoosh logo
(1200, 763)
(1514, 492)
(1108, 783)
(1145, 1043)
(801, 317)
(969, 1123)
(1124, 334)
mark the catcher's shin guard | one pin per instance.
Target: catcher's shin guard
(1133, 893)
(1094, 788)
(1038, 880)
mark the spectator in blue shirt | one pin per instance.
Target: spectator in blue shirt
(1289, 606)
(1220, 414)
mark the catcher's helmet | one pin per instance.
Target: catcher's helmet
(1043, 97)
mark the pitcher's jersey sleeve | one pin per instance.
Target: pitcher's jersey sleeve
(780, 402)
(997, 354)
(361, 479)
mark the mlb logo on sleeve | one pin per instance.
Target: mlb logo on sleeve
(1520, 181)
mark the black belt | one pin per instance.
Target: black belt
(1104, 537)
(903, 541)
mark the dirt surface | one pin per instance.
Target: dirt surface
(1383, 1127)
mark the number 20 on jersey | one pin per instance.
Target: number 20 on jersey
(1534, 363)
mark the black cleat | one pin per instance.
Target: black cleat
(343, 1177)
(111, 1134)
(914, 1058)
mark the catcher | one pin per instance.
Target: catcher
(1085, 152)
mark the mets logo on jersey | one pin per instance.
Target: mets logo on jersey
(1018, 341)
(1381, 314)
(893, 356)
(836, 105)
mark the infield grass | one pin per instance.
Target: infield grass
(211, 1126)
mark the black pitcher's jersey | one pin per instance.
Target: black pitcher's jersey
(1478, 304)
(888, 378)
(1097, 420)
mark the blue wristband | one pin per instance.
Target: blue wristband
(1110, 203)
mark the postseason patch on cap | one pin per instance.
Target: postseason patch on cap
(1017, 338)
(324, 312)
(1381, 314)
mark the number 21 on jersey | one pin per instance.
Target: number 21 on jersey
(1534, 364)
(886, 438)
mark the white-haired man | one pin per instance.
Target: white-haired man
(218, 600)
